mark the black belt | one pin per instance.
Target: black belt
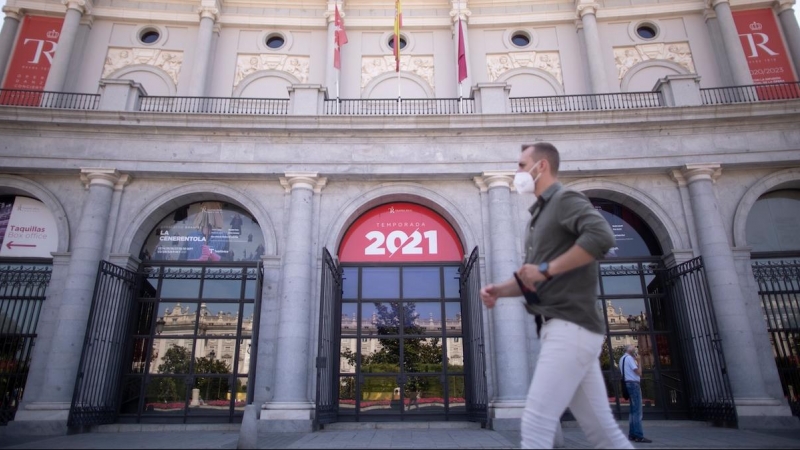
(541, 320)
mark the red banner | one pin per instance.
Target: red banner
(763, 46)
(400, 232)
(33, 54)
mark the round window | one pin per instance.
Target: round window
(520, 39)
(149, 36)
(275, 41)
(646, 31)
(403, 42)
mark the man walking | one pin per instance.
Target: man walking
(565, 237)
(632, 373)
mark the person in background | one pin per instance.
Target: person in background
(629, 367)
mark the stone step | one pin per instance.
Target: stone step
(340, 426)
(138, 427)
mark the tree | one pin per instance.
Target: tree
(170, 389)
(214, 387)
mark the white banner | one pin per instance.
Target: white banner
(27, 229)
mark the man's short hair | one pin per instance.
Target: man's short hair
(547, 151)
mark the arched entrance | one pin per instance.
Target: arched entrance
(195, 316)
(28, 234)
(637, 311)
(403, 330)
(771, 231)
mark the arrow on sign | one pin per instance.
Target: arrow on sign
(12, 244)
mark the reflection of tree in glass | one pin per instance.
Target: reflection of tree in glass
(419, 354)
(216, 388)
(617, 354)
(176, 360)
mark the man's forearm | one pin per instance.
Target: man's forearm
(573, 258)
(508, 288)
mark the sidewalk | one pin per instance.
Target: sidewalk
(394, 435)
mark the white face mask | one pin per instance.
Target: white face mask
(524, 182)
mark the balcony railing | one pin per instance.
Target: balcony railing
(752, 93)
(47, 99)
(215, 105)
(403, 106)
(595, 102)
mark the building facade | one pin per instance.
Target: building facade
(219, 216)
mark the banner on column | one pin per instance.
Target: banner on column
(27, 228)
(764, 47)
(33, 53)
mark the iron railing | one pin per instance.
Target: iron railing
(709, 391)
(752, 93)
(403, 106)
(475, 377)
(47, 99)
(95, 398)
(328, 354)
(215, 105)
(594, 102)
(779, 289)
(22, 293)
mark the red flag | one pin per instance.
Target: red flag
(339, 38)
(398, 22)
(462, 55)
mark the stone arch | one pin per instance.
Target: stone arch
(396, 192)
(546, 78)
(407, 78)
(154, 72)
(789, 178)
(136, 233)
(639, 202)
(254, 78)
(660, 66)
(16, 185)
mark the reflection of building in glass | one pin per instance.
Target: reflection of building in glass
(620, 322)
(370, 342)
(216, 333)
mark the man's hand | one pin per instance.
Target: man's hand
(489, 295)
(529, 274)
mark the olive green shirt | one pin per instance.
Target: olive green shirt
(559, 219)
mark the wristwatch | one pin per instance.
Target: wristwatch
(543, 268)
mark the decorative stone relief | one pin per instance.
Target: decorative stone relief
(372, 66)
(498, 64)
(676, 52)
(246, 64)
(166, 60)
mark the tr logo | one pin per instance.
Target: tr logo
(754, 46)
(40, 43)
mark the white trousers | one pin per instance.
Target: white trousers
(568, 375)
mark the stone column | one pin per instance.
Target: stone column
(7, 36)
(54, 394)
(290, 401)
(57, 76)
(331, 74)
(733, 46)
(459, 11)
(715, 34)
(594, 52)
(791, 31)
(754, 406)
(508, 317)
(202, 51)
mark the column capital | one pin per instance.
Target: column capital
(13, 12)
(495, 178)
(103, 177)
(714, 3)
(587, 7)
(82, 6)
(208, 12)
(330, 13)
(783, 5)
(696, 172)
(459, 10)
(303, 180)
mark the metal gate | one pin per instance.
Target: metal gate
(22, 292)
(96, 395)
(328, 353)
(709, 392)
(477, 400)
(779, 289)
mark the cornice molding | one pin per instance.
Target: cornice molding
(82, 6)
(13, 12)
(784, 5)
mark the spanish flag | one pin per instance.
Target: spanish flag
(398, 22)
